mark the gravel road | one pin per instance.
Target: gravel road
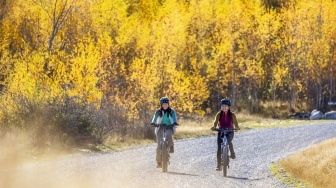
(192, 164)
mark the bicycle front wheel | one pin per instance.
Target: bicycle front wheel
(164, 155)
(225, 160)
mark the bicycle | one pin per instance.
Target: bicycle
(225, 159)
(164, 149)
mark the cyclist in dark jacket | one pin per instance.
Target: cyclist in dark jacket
(164, 115)
(225, 119)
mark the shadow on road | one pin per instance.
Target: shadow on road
(240, 178)
(181, 173)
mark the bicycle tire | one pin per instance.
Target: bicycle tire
(164, 156)
(225, 160)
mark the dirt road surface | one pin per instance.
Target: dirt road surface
(192, 164)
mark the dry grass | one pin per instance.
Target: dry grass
(201, 127)
(316, 165)
(121, 145)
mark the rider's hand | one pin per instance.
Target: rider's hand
(175, 123)
(213, 128)
(237, 128)
(152, 123)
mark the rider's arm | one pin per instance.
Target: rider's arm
(155, 117)
(215, 123)
(173, 114)
(235, 122)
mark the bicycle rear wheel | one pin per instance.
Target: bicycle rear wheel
(164, 157)
(225, 160)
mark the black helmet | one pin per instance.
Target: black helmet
(164, 100)
(226, 101)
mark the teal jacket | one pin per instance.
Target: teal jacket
(168, 118)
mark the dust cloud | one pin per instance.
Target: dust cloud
(20, 167)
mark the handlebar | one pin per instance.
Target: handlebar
(163, 125)
(224, 130)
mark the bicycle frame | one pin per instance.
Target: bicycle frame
(164, 149)
(164, 140)
(224, 140)
(164, 137)
(225, 159)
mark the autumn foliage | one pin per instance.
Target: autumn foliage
(94, 67)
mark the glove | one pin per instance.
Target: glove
(152, 123)
(213, 128)
(175, 123)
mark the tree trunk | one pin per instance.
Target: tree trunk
(256, 100)
(234, 87)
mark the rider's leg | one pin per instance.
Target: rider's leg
(230, 138)
(219, 142)
(158, 155)
(169, 134)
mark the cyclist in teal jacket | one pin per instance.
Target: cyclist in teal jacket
(164, 115)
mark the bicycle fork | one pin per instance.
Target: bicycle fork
(165, 140)
(225, 155)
